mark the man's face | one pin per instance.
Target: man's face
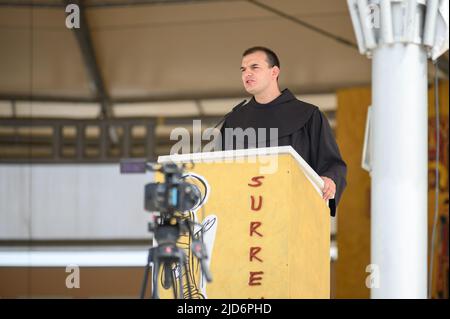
(257, 76)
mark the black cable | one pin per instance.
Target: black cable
(204, 186)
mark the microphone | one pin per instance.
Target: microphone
(229, 113)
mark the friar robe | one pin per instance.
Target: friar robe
(299, 124)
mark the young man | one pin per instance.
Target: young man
(299, 124)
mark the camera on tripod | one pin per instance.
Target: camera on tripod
(172, 195)
(171, 199)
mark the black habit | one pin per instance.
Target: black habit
(300, 125)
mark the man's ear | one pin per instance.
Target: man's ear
(275, 71)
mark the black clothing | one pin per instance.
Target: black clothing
(300, 125)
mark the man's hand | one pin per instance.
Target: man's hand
(329, 189)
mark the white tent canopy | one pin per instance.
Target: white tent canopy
(149, 51)
(187, 49)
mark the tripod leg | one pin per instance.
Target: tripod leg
(167, 275)
(174, 287)
(144, 282)
(146, 271)
(180, 279)
(155, 279)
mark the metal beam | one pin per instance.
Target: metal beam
(303, 23)
(34, 4)
(111, 122)
(198, 96)
(103, 3)
(51, 145)
(122, 3)
(231, 94)
(136, 99)
(46, 98)
(87, 50)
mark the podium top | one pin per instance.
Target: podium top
(312, 176)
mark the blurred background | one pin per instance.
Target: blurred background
(74, 101)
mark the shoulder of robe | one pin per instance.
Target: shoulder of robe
(288, 117)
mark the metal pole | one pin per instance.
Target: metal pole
(399, 171)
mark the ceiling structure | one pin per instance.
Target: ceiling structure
(168, 59)
(172, 50)
(149, 50)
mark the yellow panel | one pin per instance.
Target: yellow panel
(353, 216)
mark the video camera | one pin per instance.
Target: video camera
(173, 195)
(170, 197)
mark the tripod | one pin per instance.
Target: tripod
(167, 253)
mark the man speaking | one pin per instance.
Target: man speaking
(298, 124)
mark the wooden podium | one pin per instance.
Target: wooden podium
(265, 224)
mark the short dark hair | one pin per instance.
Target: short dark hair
(272, 58)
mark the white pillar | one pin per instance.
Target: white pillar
(391, 33)
(399, 171)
